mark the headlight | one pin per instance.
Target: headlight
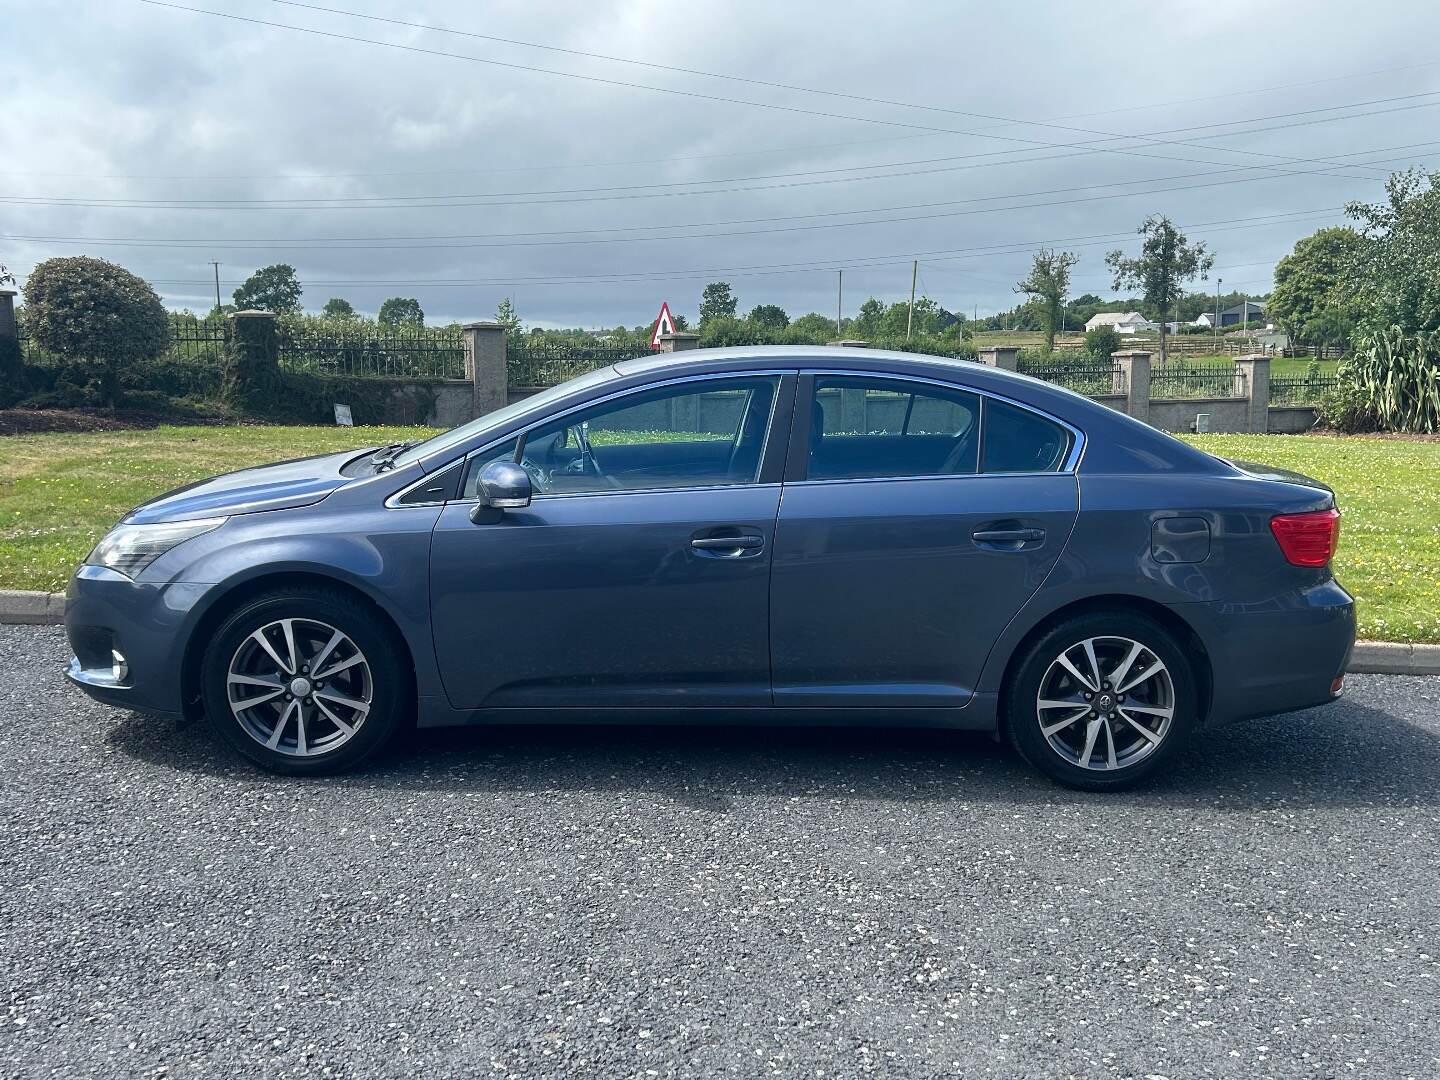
(131, 548)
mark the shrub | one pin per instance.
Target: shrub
(96, 313)
(1396, 378)
(1102, 341)
(1346, 408)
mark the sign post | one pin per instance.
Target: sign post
(664, 324)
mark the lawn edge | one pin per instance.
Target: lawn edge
(26, 608)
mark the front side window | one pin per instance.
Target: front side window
(873, 427)
(702, 433)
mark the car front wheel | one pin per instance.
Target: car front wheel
(1102, 701)
(304, 683)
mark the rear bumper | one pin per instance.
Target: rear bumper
(1275, 657)
(107, 615)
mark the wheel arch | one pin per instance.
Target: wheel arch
(1167, 617)
(245, 590)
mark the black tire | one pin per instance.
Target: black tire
(389, 685)
(1022, 717)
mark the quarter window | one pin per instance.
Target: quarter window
(866, 427)
(1018, 440)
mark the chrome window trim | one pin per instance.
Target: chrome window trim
(778, 373)
(1072, 459)
(393, 501)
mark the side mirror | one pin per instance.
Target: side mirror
(504, 485)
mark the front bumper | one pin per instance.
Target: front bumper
(1275, 657)
(145, 625)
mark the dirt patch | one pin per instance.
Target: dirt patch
(35, 421)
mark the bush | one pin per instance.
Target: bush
(1395, 377)
(1346, 408)
(96, 313)
(1102, 341)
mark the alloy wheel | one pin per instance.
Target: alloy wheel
(299, 687)
(1106, 703)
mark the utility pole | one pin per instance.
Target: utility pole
(910, 317)
(216, 265)
(1215, 330)
(839, 303)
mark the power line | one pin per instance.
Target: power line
(670, 90)
(843, 95)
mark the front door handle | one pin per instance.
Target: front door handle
(727, 547)
(1007, 536)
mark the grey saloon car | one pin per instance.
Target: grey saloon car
(776, 534)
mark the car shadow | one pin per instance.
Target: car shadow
(1343, 755)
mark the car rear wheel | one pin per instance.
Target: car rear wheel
(305, 683)
(1102, 701)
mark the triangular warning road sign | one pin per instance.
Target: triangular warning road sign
(664, 324)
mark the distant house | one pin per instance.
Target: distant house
(1123, 322)
(1249, 311)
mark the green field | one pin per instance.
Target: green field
(60, 492)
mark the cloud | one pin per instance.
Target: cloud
(540, 175)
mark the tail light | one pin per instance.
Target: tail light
(1307, 539)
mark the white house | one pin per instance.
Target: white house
(1249, 311)
(1124, 322)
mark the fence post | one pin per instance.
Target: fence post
(1134, 365)
(252, 368)
(12, 373)
(679, 342)
(485, 365)
(1256, 371)
(1004, 357)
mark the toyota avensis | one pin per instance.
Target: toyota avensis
(821, 535)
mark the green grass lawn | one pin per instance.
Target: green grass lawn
(60, 492)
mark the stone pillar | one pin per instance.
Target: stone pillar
(252, 368)
(485, 365)
(1256, 371)
(1004, 357)
(1134, 365)
(679, 341)
(9, 331)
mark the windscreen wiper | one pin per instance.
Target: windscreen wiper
(384, 458)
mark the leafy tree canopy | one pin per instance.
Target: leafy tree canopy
(1166, 261)
(271, 288)
(1396, 275)
(1046, 286)
(717, 301)
(401, 311)
(769, 317)
(336, 308)
(91, 310)
(506, 315)
(1310, 300)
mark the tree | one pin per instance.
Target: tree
(1166, 261)
(813, 328)
(1102, 341)
(92, 311)
(769, 317)
(401, 311)
(1046, 286)
(336, 308)
(506, 316)
(1310, 298)
(717, 300)
(1395, 280)
(271, 288)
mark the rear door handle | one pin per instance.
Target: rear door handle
(1006, 536)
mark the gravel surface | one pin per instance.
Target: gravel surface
(641, 902)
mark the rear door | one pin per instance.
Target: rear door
(916, 520)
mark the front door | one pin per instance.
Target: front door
(917, 519)
(639, 574)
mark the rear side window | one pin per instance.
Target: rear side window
(1017, 440)
(864, 428)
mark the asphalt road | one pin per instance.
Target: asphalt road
(642, 902)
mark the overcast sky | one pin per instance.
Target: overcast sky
(380, 171)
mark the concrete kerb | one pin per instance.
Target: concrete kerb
(1369, 658)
